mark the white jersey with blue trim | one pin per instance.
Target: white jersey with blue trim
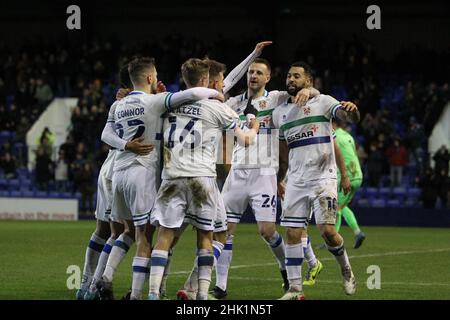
(140, 115)
(308, 133)
(263, 152)
(192, 134)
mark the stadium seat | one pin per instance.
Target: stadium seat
(378, 203)
(15, 194)
(363, 203)
(41, 194)
(54, 194)
(13, 185)
(4, 193)
(66, 195)
(371, 192)
(385, 192)
(25, 185)
(28, 194)
(3, 184)
(393, 203)
(414, 193)
(399, 193)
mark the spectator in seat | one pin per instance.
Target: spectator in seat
(9, 166)
(61, 172)
(374, 165)
(443, 187)
(44, 93)
(85, 183)
(398, 158)
(43, 169)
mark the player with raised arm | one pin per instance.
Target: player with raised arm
(252, 178)
(136, 177)
(312, 181)
(189, 190)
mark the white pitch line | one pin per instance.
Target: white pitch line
(370, 255)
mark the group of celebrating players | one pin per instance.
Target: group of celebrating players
(283, 144)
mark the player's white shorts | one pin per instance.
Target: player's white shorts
(302, 199)
(104, 196)
(193, 200)
(134, 193)
(220, 224)
(250, 187)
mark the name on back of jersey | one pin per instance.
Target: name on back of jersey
(189, 109)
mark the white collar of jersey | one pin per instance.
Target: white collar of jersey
(245, 95)
(136, 92)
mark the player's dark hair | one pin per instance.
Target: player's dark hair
(138, 69)
(308, 70)
(264, 62)
(124, 77)
(215, 67)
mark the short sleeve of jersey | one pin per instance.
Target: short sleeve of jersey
(111, 112)
(330, 105)
(233, 102)
(276, 124)
(228, 118)
(158, 103)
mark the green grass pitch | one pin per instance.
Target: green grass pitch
(414, 263)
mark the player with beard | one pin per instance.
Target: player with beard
(312, 181)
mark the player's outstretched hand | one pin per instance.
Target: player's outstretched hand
(345, 184)
(261, 45)
(219, 97)
(348, 106)
(281, 189)
(138, 147)
(122, 93)
(160, 87)
(302, 97)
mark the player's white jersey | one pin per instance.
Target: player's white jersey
(192, 133)
(263, 152)
(308, 132)
(140, 115)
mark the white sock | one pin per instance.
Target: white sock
(205, 264)
(141, 270)
(223, 264)
(93, 251)
(163, 288)
(158, 263)
(341, 256)
(118, 252)
(308, 252)
(217, 250)
(102, 262)
(294, 260)
(277, 246)
(191, 283)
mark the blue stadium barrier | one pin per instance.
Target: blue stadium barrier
(41, 194)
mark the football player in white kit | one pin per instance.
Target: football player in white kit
(312, 182)
(136, 177)
(252, 178)
(107, 228)
(189, 189)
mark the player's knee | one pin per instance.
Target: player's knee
(294, 235)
